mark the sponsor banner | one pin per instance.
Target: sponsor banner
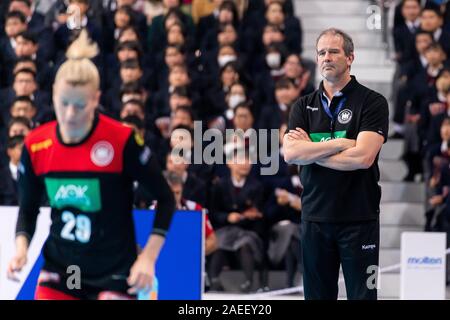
(423, 266)
(183, 247)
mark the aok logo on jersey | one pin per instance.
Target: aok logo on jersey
(326, 136)
(83, 194)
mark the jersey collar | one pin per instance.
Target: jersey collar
(344, 92)
(94, 125)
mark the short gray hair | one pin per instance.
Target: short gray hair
(172, 178)
(348, 42)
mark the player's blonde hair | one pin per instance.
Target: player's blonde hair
(78, 70)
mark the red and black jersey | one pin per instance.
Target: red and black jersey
(90, 190)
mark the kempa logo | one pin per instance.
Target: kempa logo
(345, 116)
(425, 260)
(368, 247)
(83, 194)
(311, 108)
(72, 194)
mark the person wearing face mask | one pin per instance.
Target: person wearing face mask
(270, 71)
(236, 96)
(225, 58)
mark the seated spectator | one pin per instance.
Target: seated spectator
(236, 95)
(124, 15)
(158, 30)
(439, 184)
(439, 109)
(270, 70)
(182, 116)
(237, 218)
(416, 66)
(129, 34)
(133, 108)
(177, 185)
(193, 187)
(69, 31)
(431, 20)
(8, 182)
(275, 14)
(208, 27)
(215, 104)
(213, 61)
(23, 106)
(273, 115)
(130, 72)
(404, 34)
(243, 118)
(179, 77)
(15, 23)
(19, 126)
(177, 36)
(25, 85)
(35, 24)
(298, 74)
(59, 13)
(129, 50)
(283, 209)
(224, 34)
(27, 48)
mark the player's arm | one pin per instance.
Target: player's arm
(140, 165)
(30, 189)
(362, 156)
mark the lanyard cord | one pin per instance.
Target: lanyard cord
(333, 115)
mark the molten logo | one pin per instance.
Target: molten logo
(425, 261)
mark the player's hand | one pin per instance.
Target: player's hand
(141, 274)
(15, 265)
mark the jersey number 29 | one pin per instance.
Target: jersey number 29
(81, 224)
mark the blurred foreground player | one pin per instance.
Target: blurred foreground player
(87, 163)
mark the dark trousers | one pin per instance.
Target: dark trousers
(325, 246)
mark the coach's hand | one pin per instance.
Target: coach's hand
(141, 274)
(298, 134)
(346, 143)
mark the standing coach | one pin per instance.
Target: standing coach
(336, 134)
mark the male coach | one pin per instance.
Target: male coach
(335, 134)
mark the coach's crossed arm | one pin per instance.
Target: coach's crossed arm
(299, 149)
(362, 156)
